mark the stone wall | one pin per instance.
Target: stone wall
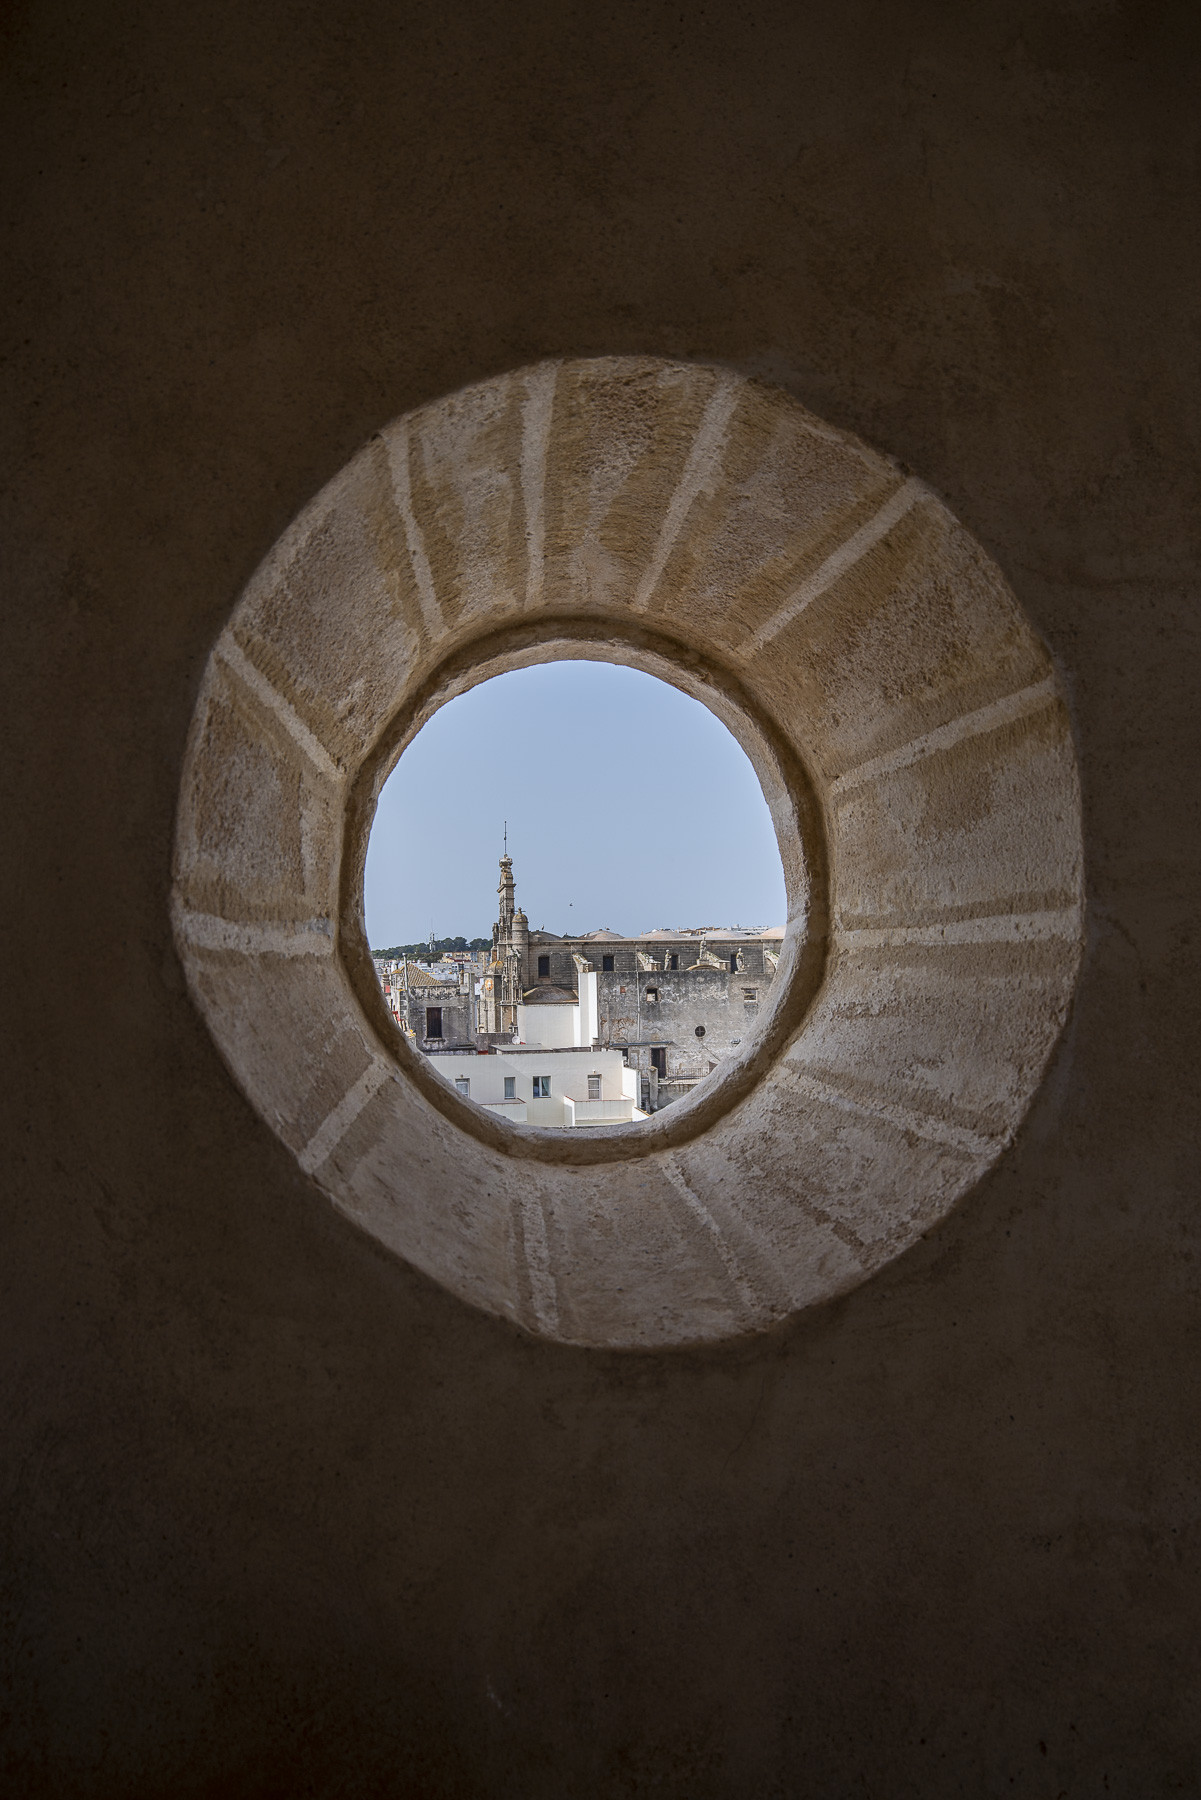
(458, 1016)
(283, 1514)
(712, 997)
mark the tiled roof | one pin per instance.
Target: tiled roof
(417, 977)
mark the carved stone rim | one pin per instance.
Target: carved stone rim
(911, 737)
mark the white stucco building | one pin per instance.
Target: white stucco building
(565, 1021)
(566, 1085)
(554, 1073)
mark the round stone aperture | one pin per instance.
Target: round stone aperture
(913, 745)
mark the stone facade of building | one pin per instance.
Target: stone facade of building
(436, 1015)
(676, 1003)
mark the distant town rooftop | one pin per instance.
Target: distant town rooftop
(663, 934)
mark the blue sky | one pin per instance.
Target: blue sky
(629, 806)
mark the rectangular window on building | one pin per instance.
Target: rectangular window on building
(544, 965)
(606, 965)
(652, 996)
(734, 963)
(433, 1021)
(673, 961)
(594, 1087)
(510, 1087)
(750, 993)
(542, 1087)
(463, 1086)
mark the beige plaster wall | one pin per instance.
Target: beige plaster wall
(283, 1517)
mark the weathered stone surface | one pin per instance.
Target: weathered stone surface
(983, 826)
(622, 433)
(464, 480)
(260, 831)
(330, 622)
(931, 819)
(297, 1071)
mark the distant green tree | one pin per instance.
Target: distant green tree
(420, 952)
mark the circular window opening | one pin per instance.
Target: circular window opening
(912, 743)
(630, 821)
(623, 768)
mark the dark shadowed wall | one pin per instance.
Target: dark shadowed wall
(281, 1517)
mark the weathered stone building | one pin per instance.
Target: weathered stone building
(675, 1002)
(436, 1015)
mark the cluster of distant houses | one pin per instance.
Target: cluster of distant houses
(582, 1031)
